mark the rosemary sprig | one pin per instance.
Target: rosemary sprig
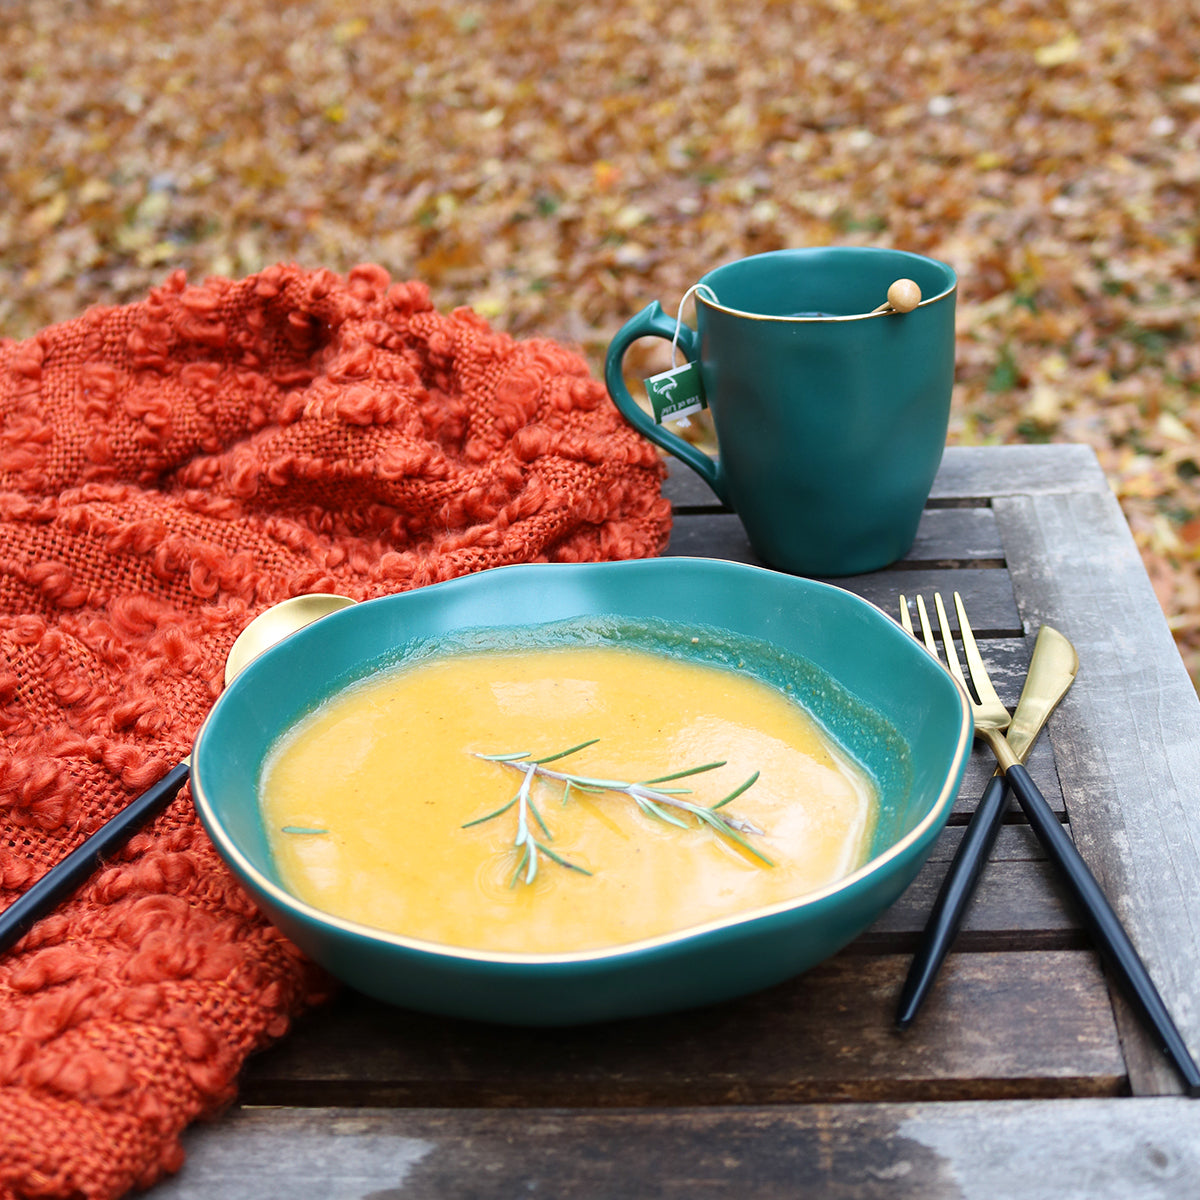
(653, 800)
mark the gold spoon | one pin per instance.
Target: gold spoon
(903, 296)
(64, 877)
(276, 623)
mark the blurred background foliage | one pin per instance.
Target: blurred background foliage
(557, 164)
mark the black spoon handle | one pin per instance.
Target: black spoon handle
(1117, 950)
(953, 899)
(64, 877)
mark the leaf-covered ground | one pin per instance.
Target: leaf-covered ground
(559, 163)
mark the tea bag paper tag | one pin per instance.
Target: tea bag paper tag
(675, 393)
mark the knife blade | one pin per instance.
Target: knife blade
(1052, 670)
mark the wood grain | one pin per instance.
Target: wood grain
(825, 1036)
(1000, 1150)
(967, 475)
(1019, 904)
(973, 473)
(946, 537)
(950, 537)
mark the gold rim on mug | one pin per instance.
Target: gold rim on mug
(865, 316)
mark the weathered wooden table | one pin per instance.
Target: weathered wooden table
(1023, 1077)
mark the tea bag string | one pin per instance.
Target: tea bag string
(695, 289)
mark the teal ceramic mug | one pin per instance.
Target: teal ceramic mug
(830, 417)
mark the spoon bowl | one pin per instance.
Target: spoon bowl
(274, 624)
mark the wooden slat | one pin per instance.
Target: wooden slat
(987, 594)
(1015, 844)
(1127, 741)
(827, 1035)
(945, 537)
(948, 536)
(1098, 1149)
(971, 473)
(968, 474)
(1018, 905)
(711, 535)
(980, 768)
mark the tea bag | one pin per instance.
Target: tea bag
(675, 393)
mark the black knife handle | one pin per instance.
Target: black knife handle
(953, 899)
(1113, 942)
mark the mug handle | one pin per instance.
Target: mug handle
(653, 322)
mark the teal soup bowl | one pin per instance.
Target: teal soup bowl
(881, 697)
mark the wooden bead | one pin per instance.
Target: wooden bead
(904, 295)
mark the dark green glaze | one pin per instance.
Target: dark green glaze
(877, 692)
(830, 428)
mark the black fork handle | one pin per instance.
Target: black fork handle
(953, 899)
(1117, 950)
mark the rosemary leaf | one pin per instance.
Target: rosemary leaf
(516, 756)
(520, 867)
(538, 817)
(737, 791)
(563, 753)
(723, 826)
(653, 810)
(562, 862)
(712, 766)
(501, 810)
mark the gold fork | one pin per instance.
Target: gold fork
(991, 719)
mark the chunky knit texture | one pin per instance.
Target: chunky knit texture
(167, 470)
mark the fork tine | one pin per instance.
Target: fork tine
(926, 627)
(975, 664)
(948, 642)
(906, 616)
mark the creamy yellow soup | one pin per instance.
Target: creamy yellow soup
(369, 802)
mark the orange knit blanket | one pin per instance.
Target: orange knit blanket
(167, 470)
